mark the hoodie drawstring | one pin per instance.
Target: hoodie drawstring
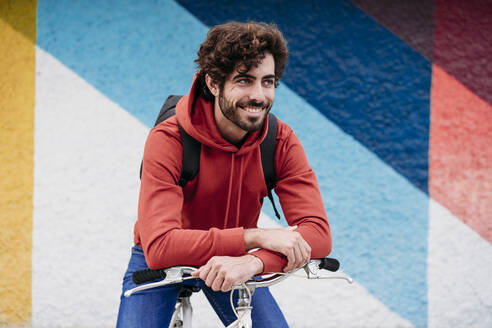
(229, 192)
(240, 188)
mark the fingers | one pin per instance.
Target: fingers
(291, 258)
(211, 279)
(298, 254)
(209, 273)
(203, 272)
(306, 252)
(217, 281)
(291, 262)
(215, 275)
(297, 259)
(227, 284)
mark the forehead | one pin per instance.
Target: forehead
(264, 68)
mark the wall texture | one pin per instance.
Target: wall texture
(391, 100)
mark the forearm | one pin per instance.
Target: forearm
(190, 247)
(256, 264)
(253, 238)
(315, 231)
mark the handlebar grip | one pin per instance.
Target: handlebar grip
(142, 276)
(329, 264)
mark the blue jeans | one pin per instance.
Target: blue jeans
(154, 307)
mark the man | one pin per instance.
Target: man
(211, 223)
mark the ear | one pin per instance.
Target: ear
(212, 86)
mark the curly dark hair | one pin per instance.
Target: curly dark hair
(239, 43)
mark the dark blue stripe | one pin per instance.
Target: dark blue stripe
(357, 73)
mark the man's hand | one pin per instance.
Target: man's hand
(223, 272)
(283, 240)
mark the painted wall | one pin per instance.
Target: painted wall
(391, 100)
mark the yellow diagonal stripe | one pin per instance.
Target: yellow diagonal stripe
(17, 64)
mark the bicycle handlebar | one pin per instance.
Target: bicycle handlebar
(175, 274)
(147, 275)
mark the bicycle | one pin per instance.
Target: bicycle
(183, 310)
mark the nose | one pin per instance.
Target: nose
(257, 93)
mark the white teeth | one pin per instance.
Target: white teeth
(253, 109)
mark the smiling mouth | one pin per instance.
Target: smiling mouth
(252, 109)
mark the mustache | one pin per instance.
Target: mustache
(252, 103)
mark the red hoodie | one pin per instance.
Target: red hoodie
(188, 226)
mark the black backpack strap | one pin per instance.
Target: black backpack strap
(267, 150)
(168, 109)
(191, 157)
(190, 169)
(191, 147)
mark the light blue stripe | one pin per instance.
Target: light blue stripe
(137, 53)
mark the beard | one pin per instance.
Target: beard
(233, 112)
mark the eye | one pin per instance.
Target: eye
(268, 83)
(243, 81)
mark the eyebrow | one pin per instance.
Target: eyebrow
(244, 75)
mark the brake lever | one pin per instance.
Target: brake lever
(314, 272)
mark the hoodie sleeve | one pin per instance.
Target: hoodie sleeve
(300, 198)
(159, 226)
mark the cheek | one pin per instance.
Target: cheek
(234, 92)
(238, 97)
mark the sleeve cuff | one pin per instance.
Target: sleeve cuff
(272, 261)
(232, 242)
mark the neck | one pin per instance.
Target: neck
(228, 130)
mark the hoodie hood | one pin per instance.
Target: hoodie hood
(199, 122)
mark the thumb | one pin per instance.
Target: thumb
(291, 228)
